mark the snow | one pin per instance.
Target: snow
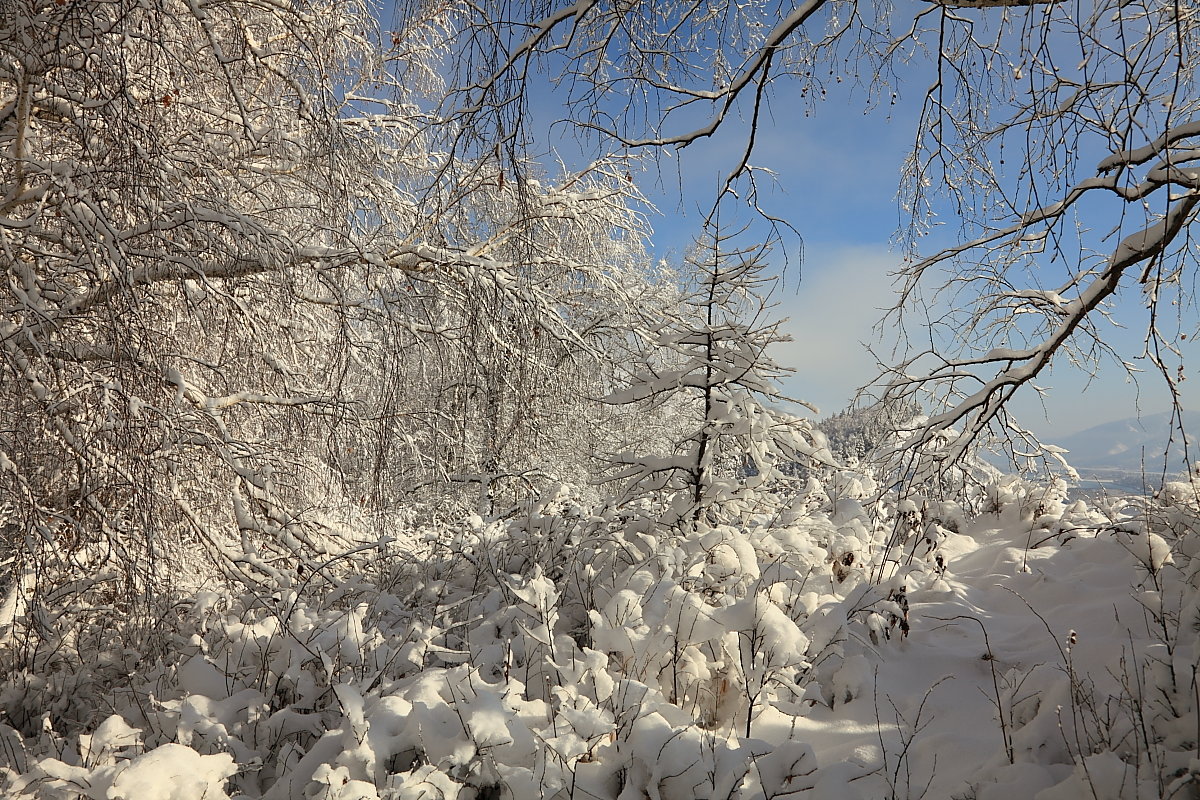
(709, 624)
(173, 772)
(1030, 648)
(168, 772)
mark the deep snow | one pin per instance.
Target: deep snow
(1050, 654)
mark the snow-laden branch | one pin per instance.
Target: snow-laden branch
(1141, 155)
(980, 408)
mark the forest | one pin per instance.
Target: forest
(356, 444)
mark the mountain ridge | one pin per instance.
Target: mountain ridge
(1141, 444)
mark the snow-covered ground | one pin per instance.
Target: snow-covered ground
(1004, 634)
(1050, 654)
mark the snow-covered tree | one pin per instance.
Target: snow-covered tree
(710, 361)
(855, 432)
(193, 196)
(491, 380)
(245, 298)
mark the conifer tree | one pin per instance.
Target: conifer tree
(710, 357)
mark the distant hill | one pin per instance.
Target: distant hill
(856, 431)
(1129, 445)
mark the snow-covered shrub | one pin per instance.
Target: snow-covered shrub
(566, 651)
(168, 772)
(1016, 499)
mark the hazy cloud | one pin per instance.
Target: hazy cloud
(831, 315)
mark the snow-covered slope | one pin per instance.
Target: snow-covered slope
(1018, 665)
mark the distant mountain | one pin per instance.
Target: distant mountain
(1128, 445)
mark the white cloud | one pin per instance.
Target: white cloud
(831, 315)
(842, 295)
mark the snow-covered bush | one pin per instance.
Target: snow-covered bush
(567, 651)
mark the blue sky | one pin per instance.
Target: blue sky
(838, 174)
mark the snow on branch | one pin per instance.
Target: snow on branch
(1064, 311)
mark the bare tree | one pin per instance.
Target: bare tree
(1062, 136)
